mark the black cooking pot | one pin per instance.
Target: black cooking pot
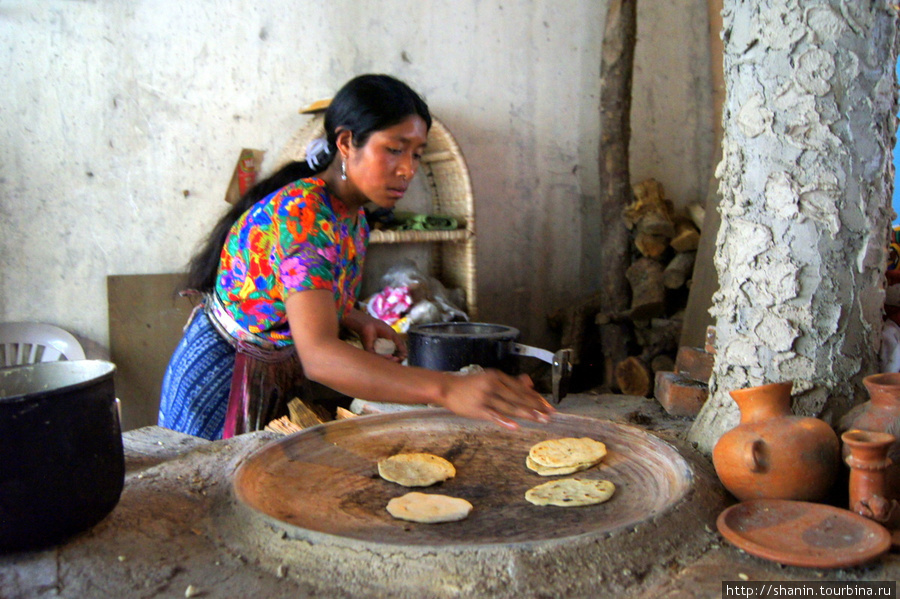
(62, 466)
(451, 346)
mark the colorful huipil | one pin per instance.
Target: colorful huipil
(298, 238)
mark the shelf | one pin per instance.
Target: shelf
(459, 235)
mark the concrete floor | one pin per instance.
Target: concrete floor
(166, 538)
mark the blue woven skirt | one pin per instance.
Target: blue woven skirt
(197, 382)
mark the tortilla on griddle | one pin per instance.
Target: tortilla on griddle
(415, 469)
(571, 492)
(567, 452)
(428, 508)
(547, 471)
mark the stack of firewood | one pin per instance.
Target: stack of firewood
(665, 245)
(304, 415)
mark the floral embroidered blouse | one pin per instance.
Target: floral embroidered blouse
(296, 239)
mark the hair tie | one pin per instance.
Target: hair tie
(317, 153)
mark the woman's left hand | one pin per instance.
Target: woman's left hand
(371, 329)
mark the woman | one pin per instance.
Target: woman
(279, 275)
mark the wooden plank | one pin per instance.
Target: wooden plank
(706, 280)
(146, 319)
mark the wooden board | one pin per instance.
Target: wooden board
(705, 278)
(322, 484)
(146, 319)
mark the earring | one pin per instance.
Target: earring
(343, 171)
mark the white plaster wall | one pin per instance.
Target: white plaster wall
(121, 121)
(672, 137)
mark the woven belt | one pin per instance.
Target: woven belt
(240, 338)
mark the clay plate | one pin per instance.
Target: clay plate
(322, 483)
(798, 533)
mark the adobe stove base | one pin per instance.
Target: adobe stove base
(179, 531)
(318, 506)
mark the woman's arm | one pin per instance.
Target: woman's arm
(491, 395)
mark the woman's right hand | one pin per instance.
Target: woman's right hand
(496, 396)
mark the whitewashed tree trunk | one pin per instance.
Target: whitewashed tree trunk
(805, 180)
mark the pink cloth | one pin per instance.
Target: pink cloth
(390, 304)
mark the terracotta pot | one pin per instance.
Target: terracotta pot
(773, 454)
(868, 464)
(880, 414)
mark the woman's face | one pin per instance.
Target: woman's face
(381, 170)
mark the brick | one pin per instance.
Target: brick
(678, 395)
(694, 363)
(710, 344)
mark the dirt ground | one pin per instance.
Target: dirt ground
(178, 531)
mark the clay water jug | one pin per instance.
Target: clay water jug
(773, 454)
(880, 414)
(868, 464)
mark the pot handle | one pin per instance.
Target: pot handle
(753, 455)
(533, 352)
(561, 362)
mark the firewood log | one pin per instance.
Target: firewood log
(697, 213)
(660, 336)
(344, 413)
(616, 69)
(284, 426)
(662, 363)
(649, 200)
(648, 294)
(686, 237)
(651, 246)
(656, 223)
(603, 318)
(634, 377)
(651, 216)
(306, 415)
(679, 270)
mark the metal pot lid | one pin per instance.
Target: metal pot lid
(482, 330)
(46, 378)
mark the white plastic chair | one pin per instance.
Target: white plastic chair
(30, 342)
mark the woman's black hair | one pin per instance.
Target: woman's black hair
(365, 104)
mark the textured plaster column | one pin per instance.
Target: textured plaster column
(805, 180)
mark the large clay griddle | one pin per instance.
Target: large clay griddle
(322, 484)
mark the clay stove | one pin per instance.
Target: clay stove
(314, 501)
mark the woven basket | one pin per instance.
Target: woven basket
(447, 177)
